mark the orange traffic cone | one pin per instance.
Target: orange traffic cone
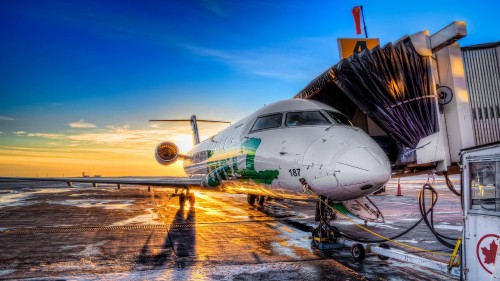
(399, 188)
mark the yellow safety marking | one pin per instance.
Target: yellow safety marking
(455, 258)
(321, 239)
(384, 237)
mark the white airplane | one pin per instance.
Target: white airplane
(294, 148)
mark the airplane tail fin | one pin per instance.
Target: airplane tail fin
(194, 125)
(362, 208)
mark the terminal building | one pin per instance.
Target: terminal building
(482, 74)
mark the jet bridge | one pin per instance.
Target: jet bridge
(409, 95)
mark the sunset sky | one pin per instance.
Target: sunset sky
(80, 79)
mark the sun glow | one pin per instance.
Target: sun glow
(184, 142)
(113, 151)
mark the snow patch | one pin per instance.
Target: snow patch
(6, 271)
(448, 226)
(91, 250)
(150, 218)
(90, 203)
(14, 199)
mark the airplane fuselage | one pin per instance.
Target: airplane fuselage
(292, 148)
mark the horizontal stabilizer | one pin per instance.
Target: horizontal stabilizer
(187, 120)
(194, 125)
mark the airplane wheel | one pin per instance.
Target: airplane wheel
(261, 200)
(316, 239)
(358, 252)
(317, 214)
(182, 200)
(192, 199)
(385, 246)
(251, 199)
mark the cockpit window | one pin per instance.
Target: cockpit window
(305, 118)
(339, 118)
(267, 122)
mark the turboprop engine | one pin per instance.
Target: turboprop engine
(166, 153)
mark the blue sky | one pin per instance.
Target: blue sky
(70, 69)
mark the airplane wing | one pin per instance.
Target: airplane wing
(167, 181)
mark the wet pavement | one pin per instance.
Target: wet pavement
(51, 231)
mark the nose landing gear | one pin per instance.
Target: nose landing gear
(328, 237)
(325, 236)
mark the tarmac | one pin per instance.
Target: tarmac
(49, 231)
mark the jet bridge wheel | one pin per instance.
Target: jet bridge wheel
(358, 252)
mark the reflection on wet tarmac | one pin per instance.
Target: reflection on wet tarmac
(151, 238)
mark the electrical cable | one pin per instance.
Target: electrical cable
(450, 185)
(424, 213)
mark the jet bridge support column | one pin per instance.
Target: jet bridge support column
(455, 122)
(451, 75)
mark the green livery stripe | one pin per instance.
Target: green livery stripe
(339, 207)
(221, 169)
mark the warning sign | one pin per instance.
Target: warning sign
(349, 46)
(486, 251)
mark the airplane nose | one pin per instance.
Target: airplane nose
(362, 169)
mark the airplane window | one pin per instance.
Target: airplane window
(339, 118)
(267, 122)
(305, 118)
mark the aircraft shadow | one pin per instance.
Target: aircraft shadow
(180, 241)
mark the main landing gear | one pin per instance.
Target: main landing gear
(185, 195)
(251, 199)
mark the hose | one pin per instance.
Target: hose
(430, 224)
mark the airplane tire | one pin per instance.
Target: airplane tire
(182, 200)
(358, 252)
(261, 200)
(314, 235)
(385, 246)
(192, 199)
(251, 199)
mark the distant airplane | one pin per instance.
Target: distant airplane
(294, 148)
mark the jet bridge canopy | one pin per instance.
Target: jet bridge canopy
(391, 85)
(409, 95)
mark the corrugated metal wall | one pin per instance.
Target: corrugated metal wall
(482, 73)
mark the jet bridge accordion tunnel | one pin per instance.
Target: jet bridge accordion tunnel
(394, 94)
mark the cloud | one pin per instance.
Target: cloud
(5, 118)
(294, 61)
(46, 135)
(154, 126)
(1, 133)
(121, 140)
(81, 125)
